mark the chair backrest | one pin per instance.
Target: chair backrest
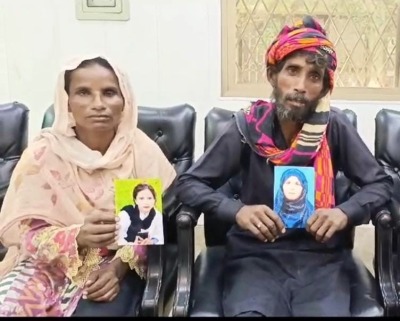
(387, 137)
(13, 140)
(215, 231)
(172, 128)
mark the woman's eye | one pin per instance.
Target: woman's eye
(110, 93)
(83, 92)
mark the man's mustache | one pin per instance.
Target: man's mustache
(299, 98)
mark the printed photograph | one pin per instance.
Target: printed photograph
(294, 194)
(138, 203)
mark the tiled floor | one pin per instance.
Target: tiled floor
(364, 243)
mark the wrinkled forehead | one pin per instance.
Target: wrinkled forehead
(83, 69)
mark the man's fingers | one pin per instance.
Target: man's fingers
(316, 224)
(320, 233)
(329, 234)
(312, 219)
(255, 231)
(267, 226)
(275, 218)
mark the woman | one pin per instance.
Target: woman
(291, 202)
(58, 217)
(141, 223)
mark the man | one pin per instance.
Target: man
(271, 270)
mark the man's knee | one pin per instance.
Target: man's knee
(250, 314)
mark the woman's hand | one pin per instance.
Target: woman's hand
(103, 284)
(100, 229)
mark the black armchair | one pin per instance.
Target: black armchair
(13, 141)
(199, 286)
(173, 129)
(387, 135)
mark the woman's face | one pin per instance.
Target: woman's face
(95, 99)
(145, 201)
(292, 188)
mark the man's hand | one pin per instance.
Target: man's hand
(260, 220)
(325, 222)
(103, 284)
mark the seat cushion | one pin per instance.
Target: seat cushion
(207, 286)
(205, 300)
(365, 301)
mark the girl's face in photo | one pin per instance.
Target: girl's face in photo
(292, 188)
(145, 201)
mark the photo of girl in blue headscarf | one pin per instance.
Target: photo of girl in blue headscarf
(294, 195)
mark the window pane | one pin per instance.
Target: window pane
(364, 33)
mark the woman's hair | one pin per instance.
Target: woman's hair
(86, 63)
(141, 187)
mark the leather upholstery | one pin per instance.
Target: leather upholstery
(173, 129)
(13, 140)
(206, 291)
(387, 153)
(387, 148)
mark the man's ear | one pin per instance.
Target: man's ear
(272, 77)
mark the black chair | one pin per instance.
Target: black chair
(199, 287)
(13, 140)
(173, 128)
(387, 153)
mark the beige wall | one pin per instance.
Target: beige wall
(170, 48)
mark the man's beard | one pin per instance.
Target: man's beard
(296, 114)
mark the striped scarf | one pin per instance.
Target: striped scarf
(256, 124)
(311, 143)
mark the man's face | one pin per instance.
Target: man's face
(298, 88)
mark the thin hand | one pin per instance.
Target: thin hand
(102, 285)
(261, 221)
(325, 222)
(100, 229)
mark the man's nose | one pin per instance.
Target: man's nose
(300, 85)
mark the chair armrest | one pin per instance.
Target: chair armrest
(152, 304)
(186, 220)
(383, 263)
(394, 209)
